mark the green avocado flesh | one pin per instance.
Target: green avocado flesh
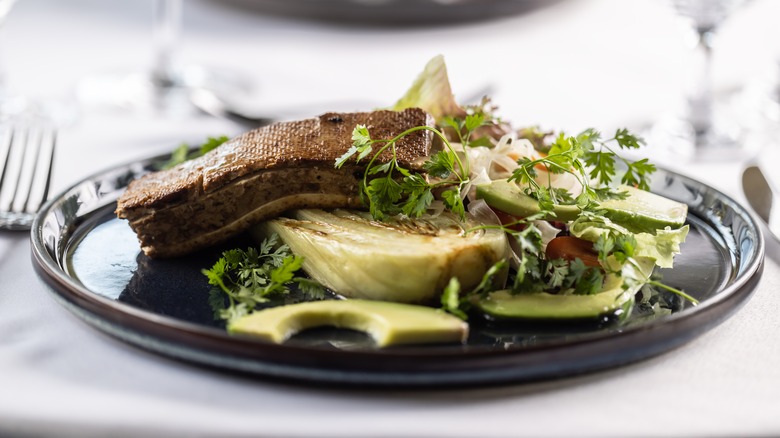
(387, 323)
(544, 306)
(509, 198)
(641, 211)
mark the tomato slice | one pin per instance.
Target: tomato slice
(570, 248)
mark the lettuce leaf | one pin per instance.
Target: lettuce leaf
(431, 91)
(661, 246)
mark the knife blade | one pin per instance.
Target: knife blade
(762, 197)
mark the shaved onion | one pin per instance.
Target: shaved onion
(488, 164)
(549, 232)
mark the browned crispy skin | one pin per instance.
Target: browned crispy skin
(259, 175)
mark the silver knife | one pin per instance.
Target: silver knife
(764, 200)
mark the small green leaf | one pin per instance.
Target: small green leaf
(626, 140)
(450, 299)
(285, 273)
(361, 145)
(360, 136)
(347, 155)
(454, 202)
(557, 270)
(210, 144)
(441, 165)
(182, 152)
(474, 121)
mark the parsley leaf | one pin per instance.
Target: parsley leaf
(626, 140)
(587, 157)
(557, 272)
(441, 164)
(250, 278)
(393, 189)
(361, 145)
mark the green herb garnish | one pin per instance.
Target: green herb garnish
(182, 152)
(588, 157)
(390, 189)
(254, 277)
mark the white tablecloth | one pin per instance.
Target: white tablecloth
(572, 65)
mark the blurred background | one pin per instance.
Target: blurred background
(567, 64)
(120, 80)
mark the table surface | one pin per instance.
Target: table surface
(567, 66)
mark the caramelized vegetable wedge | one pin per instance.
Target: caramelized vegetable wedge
(400, 260)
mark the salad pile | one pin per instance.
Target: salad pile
(582, 232)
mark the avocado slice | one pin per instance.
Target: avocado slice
(509, 198)
(387, 323)
(641, 211)
(555, 307)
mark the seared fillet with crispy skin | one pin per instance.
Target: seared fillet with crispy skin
(259, 175)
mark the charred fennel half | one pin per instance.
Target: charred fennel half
(402, 260)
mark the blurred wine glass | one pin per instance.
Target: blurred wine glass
(701, 129)
(165, 87)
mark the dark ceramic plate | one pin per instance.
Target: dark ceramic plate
(94, 267)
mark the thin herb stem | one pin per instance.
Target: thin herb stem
(691, 299)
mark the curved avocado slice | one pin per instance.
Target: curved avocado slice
(509, 198)
(387, 323)
(544, 306)
(641, 211)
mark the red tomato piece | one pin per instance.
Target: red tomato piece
(570, 248)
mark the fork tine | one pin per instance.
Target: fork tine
(49, 167)
(34, 168)
(26, 174)
(15, 191)
(8, 146)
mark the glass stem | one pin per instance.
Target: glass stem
(167, 28)
(700, 100)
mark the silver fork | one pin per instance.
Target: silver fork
(27, 160)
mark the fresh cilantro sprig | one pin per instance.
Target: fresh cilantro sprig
(602, 158)
(587, 157)
(390, 189)
(252, 277)
(464, 129)
(182, 152)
